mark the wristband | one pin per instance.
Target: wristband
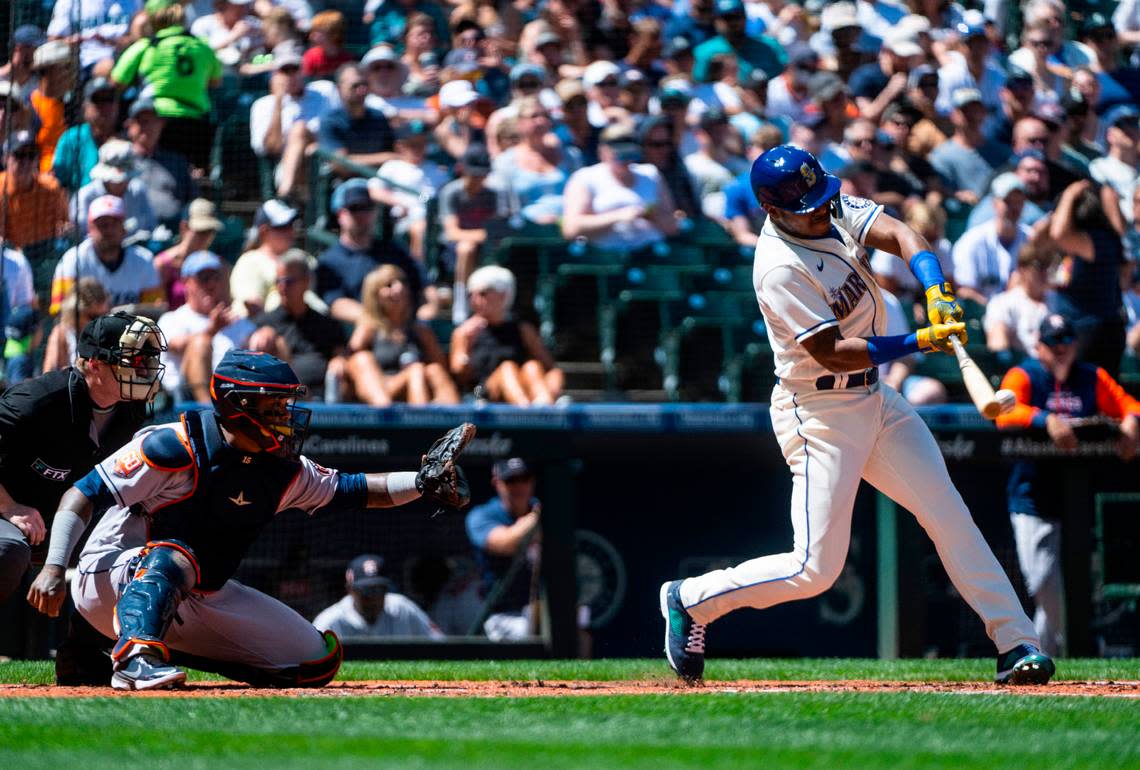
(884, 349)
(66, 531)
(928, 270)
(402, 487)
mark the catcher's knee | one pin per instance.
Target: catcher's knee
(313, 673)
(166, 571)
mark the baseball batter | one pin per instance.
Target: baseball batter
(183, 503)
(837, 425)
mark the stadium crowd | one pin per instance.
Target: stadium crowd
(1006, 132)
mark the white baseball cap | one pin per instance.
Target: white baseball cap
(51, 53)
(901, 43)
(1005, 184)
(106, 206)
(457, 93)
(116, 162)
(599, 71)
(838, 16)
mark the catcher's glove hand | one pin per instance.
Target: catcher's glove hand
(439, 477)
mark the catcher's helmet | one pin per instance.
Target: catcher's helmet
(131, 346)
(255, 395)
(790, 178)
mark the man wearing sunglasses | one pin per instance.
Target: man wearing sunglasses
(1053, 390)
(36, 206)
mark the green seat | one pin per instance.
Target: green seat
(733, 315)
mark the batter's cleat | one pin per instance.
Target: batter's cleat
(146, 672)
(1024, 664)
(684, 638)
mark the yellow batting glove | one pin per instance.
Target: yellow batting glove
(937, 336)
(941, 305)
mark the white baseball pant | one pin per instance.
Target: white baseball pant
(235, 624)
(831, 440)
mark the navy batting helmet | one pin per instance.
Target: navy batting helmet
(255, 396)
(790, 178)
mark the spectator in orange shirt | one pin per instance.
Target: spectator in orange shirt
(1051, 391)
(54, 61)
(37, 205)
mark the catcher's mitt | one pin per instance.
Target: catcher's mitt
(439, 477)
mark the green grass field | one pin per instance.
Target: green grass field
(706, 730)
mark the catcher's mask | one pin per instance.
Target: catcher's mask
(131, 346)
(254, 395)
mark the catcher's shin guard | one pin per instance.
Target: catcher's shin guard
(311, 673)
(148, 603)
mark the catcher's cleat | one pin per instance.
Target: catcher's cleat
(684, 638)
(1024, 664)
(145, 672)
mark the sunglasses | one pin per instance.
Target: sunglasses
(608, 83)
(287, 280)
(659, 144)
(104, 97)
(1038, 43)
(290, 69)
(529, 85)
(25, 155)
(361, 208)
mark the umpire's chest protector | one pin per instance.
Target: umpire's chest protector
(236, 494)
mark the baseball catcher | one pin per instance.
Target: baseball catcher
(183, 503)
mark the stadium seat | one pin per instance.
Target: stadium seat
(731, 316)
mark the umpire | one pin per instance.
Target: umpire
(56, 427)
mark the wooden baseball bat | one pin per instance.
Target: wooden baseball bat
(977, 385)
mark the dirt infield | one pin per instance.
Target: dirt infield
(516, 689)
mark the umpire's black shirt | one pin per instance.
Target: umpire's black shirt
(46, 438)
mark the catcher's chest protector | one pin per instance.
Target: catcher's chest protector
(235, 496)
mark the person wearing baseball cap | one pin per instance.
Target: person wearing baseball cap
(253, 281)
(197, 229)
(205, 328)
(876, 84)
(115, 174)
(36, 206)
(1054, 388)
(636, 210)
(499, 530)
(465, 207)
(54, 63)
(343, 266)
(19, 69)
(1117, 168)
(371, 608)
(126, 272)
(752, 52)
(968, 160)
(78, 149)
(986, 254)
(56, 428)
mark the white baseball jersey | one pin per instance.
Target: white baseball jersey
(133, 481)
(401, 617)
(806, 285)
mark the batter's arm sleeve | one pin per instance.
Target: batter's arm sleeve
(1023, 414)
(788, 294)
(1111, 399)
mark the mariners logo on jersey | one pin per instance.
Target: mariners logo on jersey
(808, 175)
(846, 296)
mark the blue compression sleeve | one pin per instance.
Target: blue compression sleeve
(884, 349)
(351, 492)
(927, 269)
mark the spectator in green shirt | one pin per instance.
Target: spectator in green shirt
(762, 52)
(178, 69)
